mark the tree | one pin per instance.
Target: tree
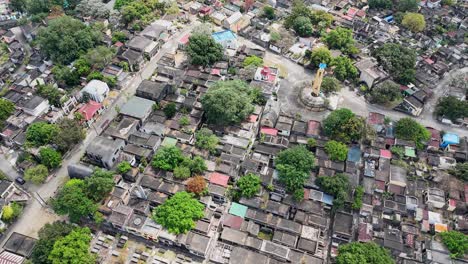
(363, 253)
(337, 186)
(72, 200)
(321, 19)
(65, 76)
(170, 110)
(249, 185)
(275, 37)
(99, 184)
(184, 121)
(461, 171)
(70, 133)
(182, 172)
(50, 93)
(294, 165)
(385, 93)
(48, 234)
(414, 22)
(448, 2)
(408, 129)
(452, 108)
(303, 26)
(253, 60)
(37, 174)
(6, 109)
(205, 139)
(93, 8)
(344, 68)
(343, 125)
(380, 4)
(196, 185)
(167, 158)
(73, 248)
(65, 38)
(399, 61)
(408, 5)
(320, 55)
(340, 38)
(203, 50)
(99, 56)
(121, 3)
(118, 36)
(227, 102)
(50, 157)
(269, 12)
(456, 242)
(178, 213)
(330, 85)
(123, 167)
(298, 9)
(7, 213)
(358, 194)
(41, 133)
(18, 5)
(337, 151)
(197, 165)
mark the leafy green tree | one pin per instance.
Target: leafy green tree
(344, 68)
(48, 234)
(399, 151)
(303, 26)
(408, 5)
(460, 171)
(385, 93)
(7, 213)
(18, 5)
(275, 37)
(253, 60)
(72, 200)
(299, 9)
(170, 110)
(363, 253)
(6, 109)
(321, 19)
(120, 3)
(456, 242)
(249, 185)
(320, 55)
(414, 22)
(257, 96)
(398, 60)
(197, 165)
(41, 133)
(70, 133)
(343, 125)
(184, 121)
(342, 39)
(298, 195)
(358, 194)
(203, 50)
(337, 151)
(37, 174)
(205, 139)
(182, 172)
(168, 158)
(82, 67)
(227, 102)
(65, 76)
(408, 129)
(179, 213)
(380, 4)
(294, 166)
(269, 12)
(99, 184)
(118, 36)
(99, 56)
(65, 38)
(73, 248)
(50, 157)
(123, 167)
(452, 108)
(448, 2)
(337, 185)
(50, 93)
(330, 85)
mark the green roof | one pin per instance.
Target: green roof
(410, 152)
(238, 210)
(169, 142)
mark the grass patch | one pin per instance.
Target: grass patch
(265, 236)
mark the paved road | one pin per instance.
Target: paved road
(34, 215)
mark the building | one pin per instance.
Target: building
(34, 105)
(142, 44)
(155, 91)
(370, 73)
(233, 22)
(89, 111)
(137, 107)
(104, 152)
(226, 38)
(96, 90)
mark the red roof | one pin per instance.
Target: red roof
(375, 118)
(361, 13)
(219, 179)
(384, 153)
(364, 233)
(435, 134)
(269, 131)
(184, 40)
(90, 109)
(253, 118)
(216, 72)
(313, 128)
(410, 240)
(429, 61)
(351, 12)
(118, 44)
(233, 221)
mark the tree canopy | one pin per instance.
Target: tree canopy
(460, 171)
(37, 174)
(398, 60)
(179, 213)
(6, 109)
(123, 167)
(48, 234)
(41, 133)
(70, 133)
(408, 129)
(341, 39)
(303, 26)
(227, 102)
(73, 248)
(71, 200)
(99, 184)
(363, 253)
(320, 55)
(294, 166)
(203, 50)
(344, 68)
(196, 185)
(343, 125)
(414, 22)
(269, 12)
(456, 242)
(168, 158)
(205, 139)
(249, 185)
(408, 5)
(66, 38)
(50, 157)
(170, 110)
(318, 19)
(330, 85)
(51, 93)
(385, 93)
(337, 151)
(337, 185)
(380, 4)
(253, 60)
(452, 108)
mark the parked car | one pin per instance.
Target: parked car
(20, 180)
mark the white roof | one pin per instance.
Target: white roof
(234, 18)
(96, 87)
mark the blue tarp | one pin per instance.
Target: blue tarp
(327, 199)
(450, 139)
(354, 154)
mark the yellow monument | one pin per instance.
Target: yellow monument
(318, 80)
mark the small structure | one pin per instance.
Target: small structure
(155, 91)
(104, 151)
(226, 38)
(97, 90)
(137, 107)
(89, 112)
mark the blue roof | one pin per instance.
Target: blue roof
(322, 65)
(450, 138)
(354, 154)
(223, 35)
(389, 19)
(327, 199)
